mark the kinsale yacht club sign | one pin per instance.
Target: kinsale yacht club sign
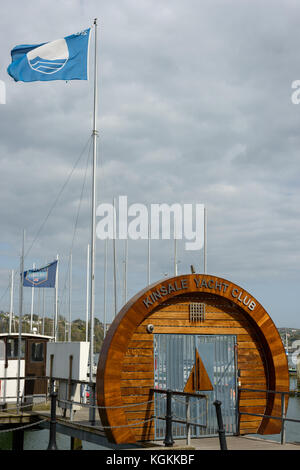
(201, 283)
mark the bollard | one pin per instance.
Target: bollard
(52, 437)
(221, 431)
(169, 442)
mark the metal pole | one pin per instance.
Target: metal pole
(221, 431)
(87, 293)
(188, 417)
(43, 328)
(125, 271)
(55, 323)
(205, 242)
(149, 251)
(282, 434)
(20, 319)
(93, 227)
(104, 294)
(169, 442)
(175, 250)
(11, 301)
(52, 437)
(114, 258)
(70, 300)
(32, 300)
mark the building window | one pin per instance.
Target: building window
(197, 312)
(12, 347)
(37, 352)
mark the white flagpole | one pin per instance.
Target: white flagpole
(87, 293)
(105, 285)
(175, 250)
(93, 227)
(11, 307)
(149, 252)
(43, 324)
(125, 270)
(114, 257)
(20, 319)
(70, 300)
(205, 242)
(32, 300)
(56, 303)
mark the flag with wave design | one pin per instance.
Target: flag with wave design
(62, 59)
(43, 277)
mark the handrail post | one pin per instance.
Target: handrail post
(221, 430)
(282, 434)
(92, 409)
(188, 416)
(169, 442)
(52, 438)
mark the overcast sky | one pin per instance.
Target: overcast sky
(194, 107)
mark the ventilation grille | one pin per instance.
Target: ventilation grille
(197, 312)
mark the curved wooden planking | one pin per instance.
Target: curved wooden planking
(109, 399)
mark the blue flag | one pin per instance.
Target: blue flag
(62, 59)
(43, 277)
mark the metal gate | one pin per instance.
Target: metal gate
(175, 357)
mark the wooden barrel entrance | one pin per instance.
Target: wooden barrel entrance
(193, 332)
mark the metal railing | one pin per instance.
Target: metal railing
(53, 387)
(169, 441)
(282, 417)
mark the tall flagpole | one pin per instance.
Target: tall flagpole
(87, 293)
(43, 322)
(55, 323)
(175, 249)
(149, 252)
(32, 301)
(205, 242)
(105, 285)
(114, 258)
(11, 308)
(70, 300)
(20, 320)
(125, 270)
(93, 227)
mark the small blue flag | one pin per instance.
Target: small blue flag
(43, 277)
(62, 59)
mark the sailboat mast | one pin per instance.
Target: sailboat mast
(114, 258)
(70, 300)
(20, 320)
(55, 322)
(11, 301)
(205, 242)
(93, 222)
(87, 293)
(32, 302)
(105, 285)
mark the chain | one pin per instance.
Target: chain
(128, 405)
(138, 423)
(25, 406)
(23, 427)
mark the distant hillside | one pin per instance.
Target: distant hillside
(290, 335)
(78, 328)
